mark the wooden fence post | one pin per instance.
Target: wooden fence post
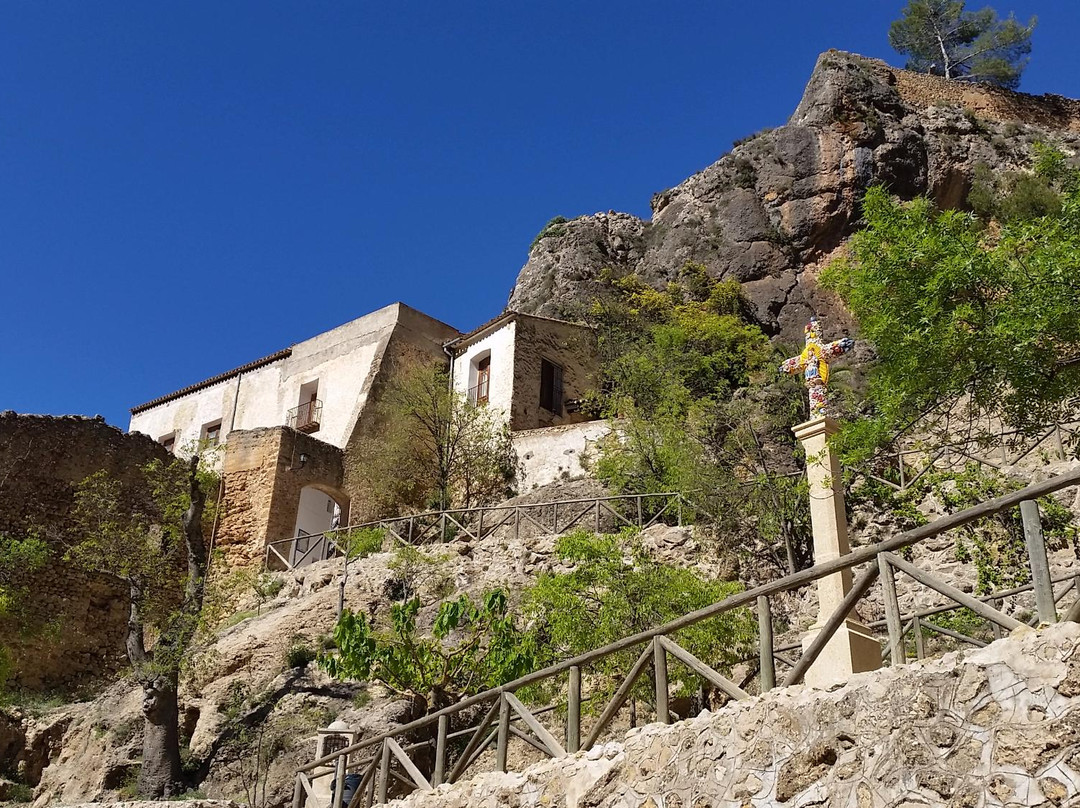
(1040, 567)
(663, 711)
(298, 791)
(504, 734)
(920, 642)
(766, 663)
(384, 773)
(440, 751)
(573, 711)
(339, 780)
(892, 612)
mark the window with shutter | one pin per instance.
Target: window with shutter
(551, 387)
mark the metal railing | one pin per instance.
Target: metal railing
(535, 519)
(306, 417)
(391, 757)
(478, 393)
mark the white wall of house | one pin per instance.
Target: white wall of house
(500, 345)
(316, 512)
(342, 360)
(556, 452)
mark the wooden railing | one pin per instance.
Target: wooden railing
(900, 469)
(390, 758)
(538, 518)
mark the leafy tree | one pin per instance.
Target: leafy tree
(966, 320)
(472, 646)
(616, 588)
(692, 381)
(940, 37)
(20, 559)
(432, 449)
(149, 538)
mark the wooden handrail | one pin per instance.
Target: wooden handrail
(861, 556)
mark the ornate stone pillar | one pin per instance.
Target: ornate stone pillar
(853, 648)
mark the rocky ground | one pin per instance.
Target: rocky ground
(89, 751)
(999, 726)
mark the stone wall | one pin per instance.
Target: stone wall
(572, 347)
(556, 452)
(264, 476)
(991, 103)
(80, 618)
(999, 726)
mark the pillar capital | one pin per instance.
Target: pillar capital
(822, 425)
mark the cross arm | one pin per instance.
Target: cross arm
(796, 364)
(839, 347)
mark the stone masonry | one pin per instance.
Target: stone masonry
(999, 726)
(264, 476)
(42, 461)
(572, 347)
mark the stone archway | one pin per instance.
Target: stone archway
(319, 509)
(266, 472)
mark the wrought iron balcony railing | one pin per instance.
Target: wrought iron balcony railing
(306, 417)
(478, 394)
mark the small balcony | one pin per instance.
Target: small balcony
(306, 417)
(478, 394)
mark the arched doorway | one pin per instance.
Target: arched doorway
(319, 510)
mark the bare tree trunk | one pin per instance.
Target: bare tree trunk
(160, 775)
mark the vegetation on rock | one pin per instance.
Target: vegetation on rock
(615, 588)
(961, 313)
(472, 646)
(942, 38)
(692, 382)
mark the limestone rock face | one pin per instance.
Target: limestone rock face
(774, 208)
(998, 726)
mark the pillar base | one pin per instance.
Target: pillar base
(852, 649)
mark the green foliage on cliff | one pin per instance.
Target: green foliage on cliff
(20, 559)
(693, 383)
(942, 38)
(472, 646)
(962, 313)
(616, 588)
(554, 227)
(995, 546)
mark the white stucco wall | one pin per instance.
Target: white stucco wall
(316, 512)
(501, 344)
(341, 359)
(556, 452)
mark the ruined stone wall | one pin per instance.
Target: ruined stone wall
(79, 618)
(572, 347)
(263, 479)
(999, 726)
(921, 91)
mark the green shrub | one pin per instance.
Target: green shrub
(299, 653)
(554, 227)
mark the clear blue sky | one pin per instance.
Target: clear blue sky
(189, 186)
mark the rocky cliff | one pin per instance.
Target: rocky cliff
(775, 207)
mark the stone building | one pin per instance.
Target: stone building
(287, 424)
(534, 371)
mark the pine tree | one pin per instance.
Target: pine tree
(941, 38)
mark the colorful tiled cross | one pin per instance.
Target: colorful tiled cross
(813, 363)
